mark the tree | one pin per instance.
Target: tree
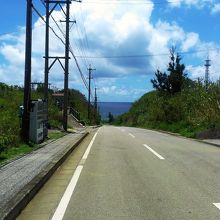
(161, 83)
(110, 117)
(172, 82)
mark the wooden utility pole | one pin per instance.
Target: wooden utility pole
(66, 74)
(46, 64)
(95, 105)
(27, 74)
(89, 107)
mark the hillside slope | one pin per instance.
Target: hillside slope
(189, 112)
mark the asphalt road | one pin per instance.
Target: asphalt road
(133, 173)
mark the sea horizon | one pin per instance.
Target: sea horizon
(116, 108)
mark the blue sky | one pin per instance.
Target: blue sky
(125, 40)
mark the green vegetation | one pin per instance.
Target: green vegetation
(10, 100)
(110, 118)
(188, 110)
(175, 80)
(22, 149)
(11, 97)
(79, 102)
(14, 152)
(56, 135)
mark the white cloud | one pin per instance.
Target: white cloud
(216, 8)
(196, 72)
(212, 5)
(191, 40)
(12, 54)
(190, 3)
(111, 30)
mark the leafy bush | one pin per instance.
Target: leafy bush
(193, 110)
(10, 123)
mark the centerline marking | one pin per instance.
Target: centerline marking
(154, 152)
(61, 208)
(131, 135)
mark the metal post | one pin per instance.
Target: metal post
(89, 107)
(207, 65)
(95, 100)
(66, 74)
(90, 72)
(46, 68)
(27, 77)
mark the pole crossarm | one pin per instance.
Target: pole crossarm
(58, 3)
(61, 7)
(56, 59)
(53, 8)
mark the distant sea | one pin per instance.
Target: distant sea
(116, 108)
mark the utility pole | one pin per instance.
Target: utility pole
(90, 77)
(56, 58)
(66, 74)
(46, 64)
(96, 100)
(27, 74)
(96, 106)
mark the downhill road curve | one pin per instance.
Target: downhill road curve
(131, 173)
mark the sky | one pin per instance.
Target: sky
(125, 41)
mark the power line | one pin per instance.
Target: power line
(53, 20)
(144, 55)
(42, 18)
(131, 2)
(70, 49)
(79, 69)
(81, 46)
(83, 23)
(83, 43)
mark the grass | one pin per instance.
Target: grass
(56, 134)
(15, 152)
(188, 113)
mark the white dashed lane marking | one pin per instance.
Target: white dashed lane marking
(131, 135)
(154, 152)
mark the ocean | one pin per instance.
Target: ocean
(116, 108)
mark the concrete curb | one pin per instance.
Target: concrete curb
(193, 139)
(21, 199)
(206, 142)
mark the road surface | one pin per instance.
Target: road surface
(131, 173)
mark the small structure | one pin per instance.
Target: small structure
(38, 121)
(207, 65)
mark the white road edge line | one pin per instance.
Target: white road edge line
(61, 208)
(131, 135)
(89, 147)
(154, 152)
(217, 205)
